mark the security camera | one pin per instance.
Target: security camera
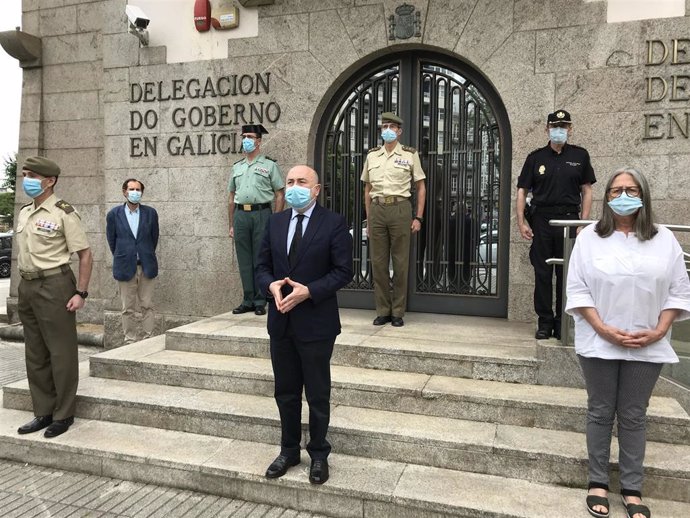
(138, 23)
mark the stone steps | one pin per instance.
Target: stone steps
(557, 408)
(528, 453)
(234, 468)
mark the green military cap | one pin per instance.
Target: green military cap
(391, 117)
(41, 165)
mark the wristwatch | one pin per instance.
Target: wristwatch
(420, 219)
(82, 294)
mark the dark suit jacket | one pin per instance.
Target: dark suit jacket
(125, 248)
(324, 265)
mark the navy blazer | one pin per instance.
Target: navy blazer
(324, 265)
(125, 248)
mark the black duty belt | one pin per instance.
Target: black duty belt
(249, 207)
(42, 274)
(556, 209)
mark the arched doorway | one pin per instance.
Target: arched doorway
(459, 261)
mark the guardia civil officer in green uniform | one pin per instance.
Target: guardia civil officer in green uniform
(560, 176)
(48, 232)
(255, 182)
(389, 173)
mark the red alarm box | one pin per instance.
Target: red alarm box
(202, 15)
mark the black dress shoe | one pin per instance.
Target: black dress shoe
(397, 322)
(379, 321)
(58, 427)
(279, 467)
(242, 309)
(557, 332)
(259, 310)
(542, 334)
(38, 423)
(318, 473)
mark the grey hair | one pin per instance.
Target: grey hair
(644, 226)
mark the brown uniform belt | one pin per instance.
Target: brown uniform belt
(249, 207)
(42, 274)
(388, 200)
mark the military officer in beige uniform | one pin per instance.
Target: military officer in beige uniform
(388, 175)
(48, 232)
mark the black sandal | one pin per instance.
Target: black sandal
(633, 509)
(593, 500)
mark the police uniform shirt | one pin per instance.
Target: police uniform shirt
(48, 235)
(556, 179)
(391, 175)
(256, 182)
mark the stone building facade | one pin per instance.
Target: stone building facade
(105, 109)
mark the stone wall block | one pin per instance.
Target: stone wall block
(90, 17)
(78, 162)
(155, 181)
(30, 22)
(216, 292)
(679, 177)
(329, 42)
(656, 169)
(218, 255)
(89, 189)
(207, 185)
(175, 292)
(521, 300)
(91, 214)
(179, 254)
(58, 21)
(125, 118)
(277, 34)
(114, 14)
(445, 22)
(520, 266)
(673, 212)
(31, 108)
(590, 91)
(546, 14)
(30, 135)
(71, 106)
(32, 80)
(299, 81)
(211, 219)
(115, 85)
(73, 134)
(120, 50)
(486, 30)
(72, 48)
(152, 55)
(366, 26)
(73, 77)
(301, 6)
(176, 218)
(595, 132)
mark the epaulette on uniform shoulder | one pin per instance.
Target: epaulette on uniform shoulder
(409, 149)
(271, 159)
(374, 149)
(238, 161)
(62, 204)
(27, 205)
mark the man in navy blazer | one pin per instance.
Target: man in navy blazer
(305, 258)
(132, 232)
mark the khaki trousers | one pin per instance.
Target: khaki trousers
(389, 238)
(50, 337)
(137, 291)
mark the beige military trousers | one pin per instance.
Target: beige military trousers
(137, 293)
(389, 239)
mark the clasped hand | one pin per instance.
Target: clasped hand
(299, 294)
(630, 339)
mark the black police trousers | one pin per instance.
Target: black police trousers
(547, 243)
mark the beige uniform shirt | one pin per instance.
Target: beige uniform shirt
(47, 235)
(392, 175)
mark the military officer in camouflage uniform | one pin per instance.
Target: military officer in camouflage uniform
(48, 232)
(254, 183)
(388, 175)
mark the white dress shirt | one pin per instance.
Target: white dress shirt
(629, 282)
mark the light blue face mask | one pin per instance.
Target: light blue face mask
(248, 145)
(625, 205)
(388, 135)
(558, 135)
(298, 197)
(134, 196)
(32, 187)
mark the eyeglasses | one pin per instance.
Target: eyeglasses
(615, 192)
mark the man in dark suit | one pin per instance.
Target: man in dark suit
(305, 258)
(132, 232)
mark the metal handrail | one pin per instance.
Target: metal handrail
(565, 260)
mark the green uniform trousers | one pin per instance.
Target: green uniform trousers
(389, 238)
(249, 230)
(50, 337)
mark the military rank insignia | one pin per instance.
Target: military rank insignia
(542, 169)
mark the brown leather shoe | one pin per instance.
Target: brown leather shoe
(36, 424)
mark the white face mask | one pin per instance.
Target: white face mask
(558, 135)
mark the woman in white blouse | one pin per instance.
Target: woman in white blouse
(626, 285)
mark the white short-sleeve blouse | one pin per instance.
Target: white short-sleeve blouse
(629, 282)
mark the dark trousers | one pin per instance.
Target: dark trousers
(249, 228)
(298, 365)
(50, 337)
(547, 243)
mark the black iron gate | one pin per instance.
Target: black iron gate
(459, 259)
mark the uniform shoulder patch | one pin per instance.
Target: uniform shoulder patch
(62, 204)
(27, 205)
(409, 149)
(374, 149)
(271, 159)
(238, 161)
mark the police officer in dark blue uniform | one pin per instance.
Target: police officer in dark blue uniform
(560, 177)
